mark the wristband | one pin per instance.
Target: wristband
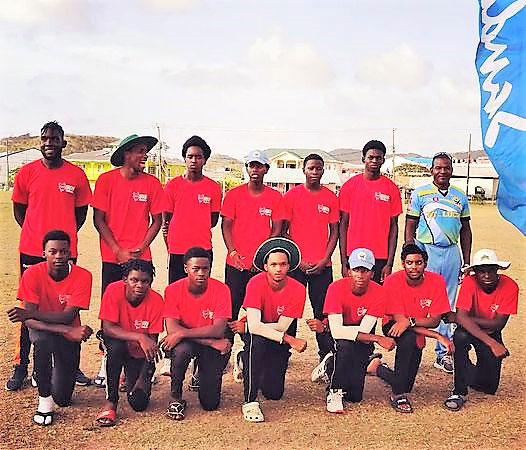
(412, 322)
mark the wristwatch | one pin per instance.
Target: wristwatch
(412, 322)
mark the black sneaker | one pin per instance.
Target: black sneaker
(193, 385)
(17, 379)
(82, 380)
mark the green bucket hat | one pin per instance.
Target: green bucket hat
(117, 158)
(277, 243)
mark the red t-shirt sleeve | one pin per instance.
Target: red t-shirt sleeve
(28, 290)
(253, 297)
(157, 204)
(396, 201)
(81, 294)
(172, 296)
(20, 192)
(156, 321)
(223, 307)
(100, 196)
(465, 294)
(83, 197)
(109, 309)
(217, 196)
(228, 209)
(333, 300)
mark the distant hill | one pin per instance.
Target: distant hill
(354, 156)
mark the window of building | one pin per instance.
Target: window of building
(281, 164)
(291, 165)
(151, 170)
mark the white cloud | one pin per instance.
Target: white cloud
(178, 5)
(289, 65)
(458, 94)
(402, 67)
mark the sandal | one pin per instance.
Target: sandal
(374, 356)
(401, 404)
(44, 419)
(252, 412)
(107, 418)
(99, 381)
(176, 410)
(455, 402)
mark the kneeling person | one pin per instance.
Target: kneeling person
(485, 302)
(53, 293)
(416, 301)
(196, 311)
(353, 306)
(132, 317)
(273, 301)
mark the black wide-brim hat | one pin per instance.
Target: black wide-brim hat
(277, 243)
(117, 158)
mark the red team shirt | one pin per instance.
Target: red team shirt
(473, 299)
(370, 204)
(191, 205)
(36, 286)
(288, 302)
(128, 205)
(252, 219)
(310, 214)
(146, 318)
(341, 300)
(428, 299)
(200, 311)
(51, 196)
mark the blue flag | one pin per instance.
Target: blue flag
(501, 66)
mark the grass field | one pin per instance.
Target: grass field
(300, 419)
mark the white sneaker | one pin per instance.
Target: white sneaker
(321, 369)
(335, 401)
(252, 412)
(166, 367)
(237, 371)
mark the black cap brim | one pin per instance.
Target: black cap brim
(117, 158)
(277, 243)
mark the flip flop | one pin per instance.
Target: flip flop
(252, 412)
(99, 381)
(454, 402)
(106, 418)
(47, 418)
(401, 404)
(374, 356)
(176, 409)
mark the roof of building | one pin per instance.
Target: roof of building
(287, 175)
(301, 153)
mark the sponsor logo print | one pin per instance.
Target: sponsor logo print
(138, 324)
(202, 198)
(64, 187)
(63, 298)
(425, 302)
(280, 310)
(456, 200)
(207, 314)
(265, 211)
(493, 308)
(436, 199)
(361, 311)
(139, 197)
(323, 209)
(381, 196)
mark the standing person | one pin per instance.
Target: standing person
(193, 202)
(48, 194)
(311, 221)
(439, 217)
(370, 204)
(353, 306)
(127, 209)
(251, 214)
(273, 303)
(485, 302)
(196, 311)
(132, 318)
(53, 292)
(415, 301)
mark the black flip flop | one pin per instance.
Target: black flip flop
(454, 402)
(44, 417)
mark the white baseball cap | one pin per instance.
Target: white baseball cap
(488, 257)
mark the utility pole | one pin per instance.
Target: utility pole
(159, 166)
(7, 163)
(394, 175)
(469, 162)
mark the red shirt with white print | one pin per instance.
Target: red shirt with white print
(128, 205)
(51, 196)
(288, 302)
(197, 311)
(341, 300)
(252, 217)
(191, 205)
(146, 318)
(503, 300)
(36, 286)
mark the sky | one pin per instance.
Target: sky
(245, 74)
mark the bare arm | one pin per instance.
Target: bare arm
(80, 216)
(99, 220)
(402, 323)
(153, 229)
(19, 211)
(214, 218)
(411, 223)
(433, 334)
(30, 311)
(344, 226)
(465, 239)
(236, 257)
(285, 224)
(277, 225)
(167, 216)
(391, 247)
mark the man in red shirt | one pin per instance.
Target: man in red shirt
(53, 292)
(48, 194)
(127, 208)
(132, 318)
(353, 306)
(415, 302)
(193, 202)
(484, 304)
(370, 205)
(311, 221)
(251, 214)
(196, 311)
(273, 302)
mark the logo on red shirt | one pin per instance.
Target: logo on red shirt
(138, 324)
(265, 211)
(361, 311)
(139, 197)
(64, 187)
(202, 198)
(381, 196)
(324, 209)
(425, 303)
(280, 310)
(63, 298)
(493, 308)
(207, 314)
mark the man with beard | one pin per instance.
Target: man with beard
(48, 194)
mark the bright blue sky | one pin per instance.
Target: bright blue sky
(245, 74)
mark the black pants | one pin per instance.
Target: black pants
(117, 358)
(111, 272)
(265, 364)
(483, 376)
(56, 363)
(176, 266)
(211, 364)
(348, 367)
(407, 362)
(317, 285)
